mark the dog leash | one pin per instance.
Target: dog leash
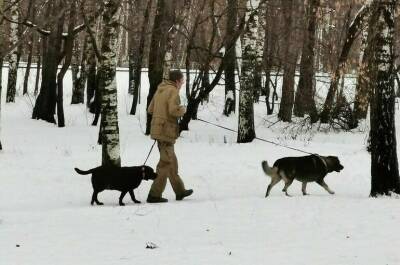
(151, 149)
(258, 138)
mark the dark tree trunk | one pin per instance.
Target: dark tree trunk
(79, 81)
(31, 44)
(68, 48)
(1, 65)
(45, 106)
(28, 63)
(289, 66)
(384, 163)
(304, 100)
(138, 59)
(230, 83)
(268, 54)
(38, 65)
(163, 21)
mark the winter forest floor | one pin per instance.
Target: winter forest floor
(46, 216)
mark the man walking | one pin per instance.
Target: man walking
(166, 109)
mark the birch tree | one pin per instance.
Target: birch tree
(107, 83)
(384, 164)
(258, 68)
(13, 56)
(246, 130)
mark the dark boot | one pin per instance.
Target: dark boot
(152, 199)
(186, 193)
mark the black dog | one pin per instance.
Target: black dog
(124, 179)
(305, 169)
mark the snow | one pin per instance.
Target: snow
(45, 206)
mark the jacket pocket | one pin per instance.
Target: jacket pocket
(171, 130)
(157, 126)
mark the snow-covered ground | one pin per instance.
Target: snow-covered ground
(46, 216)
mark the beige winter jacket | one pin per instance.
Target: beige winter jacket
(166, 109)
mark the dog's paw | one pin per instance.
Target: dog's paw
(122, 204)
(100, 203)
(332, 192)
(136, 201)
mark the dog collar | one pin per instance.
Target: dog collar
(323, 162)
(143, 173)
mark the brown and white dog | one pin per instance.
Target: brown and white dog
(305, 169)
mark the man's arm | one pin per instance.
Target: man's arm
(174, 107)
(150, 109)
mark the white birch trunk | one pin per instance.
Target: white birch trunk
(108, 85)
(238, 50)
(261, 33)
(384, 164)
(246, 130)
(13, 57)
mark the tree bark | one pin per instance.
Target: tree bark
(289, 65)
(246, 130)
(304, 100)
(79, 73)
(45, 106)
(137, 60)
(384, 164)
(38, 64)
(230, 82)
(258, 69)
(107, 83)
(28, 63)
(362, 98)
(31, 44)
(68, 51)
(163, 21)
(13, 57)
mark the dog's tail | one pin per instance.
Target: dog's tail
(269, 171)
(83, 172)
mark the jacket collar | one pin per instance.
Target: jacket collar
(169, 82)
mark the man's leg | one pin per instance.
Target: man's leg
(176, 181)
(163, 168)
